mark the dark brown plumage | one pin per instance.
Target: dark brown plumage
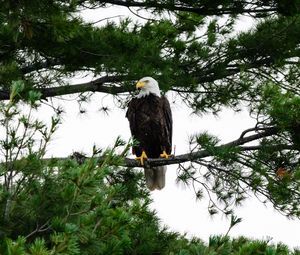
(150, 120)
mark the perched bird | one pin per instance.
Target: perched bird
(150, 118)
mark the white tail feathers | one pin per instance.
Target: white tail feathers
(155, 177)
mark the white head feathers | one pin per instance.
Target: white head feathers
(147, 85)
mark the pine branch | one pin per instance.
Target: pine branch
(39, 65)
(92, 86)
(98, 84)
(194, 156)
(201, 10)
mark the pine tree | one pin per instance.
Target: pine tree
(192, 49)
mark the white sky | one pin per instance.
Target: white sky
(175, 205)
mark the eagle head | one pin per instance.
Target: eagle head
(146, 86)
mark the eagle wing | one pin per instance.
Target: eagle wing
(168, 124)
(150, 120)
(130, 114)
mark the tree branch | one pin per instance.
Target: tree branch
(201, 10)
(98, 84)
(92, 86)
(153, 162)
(39, 65)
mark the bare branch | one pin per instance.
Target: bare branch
(39, 229)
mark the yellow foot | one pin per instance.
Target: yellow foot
(165, 155)
(142, 158)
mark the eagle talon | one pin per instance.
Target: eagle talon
(165, 155)
(142, 157)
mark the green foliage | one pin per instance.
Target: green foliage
(50, 207)
(190, 47)
(282, 107)
(45, 43)
(85, 207)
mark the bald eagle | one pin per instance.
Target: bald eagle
(150, 120)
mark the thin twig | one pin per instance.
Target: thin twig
(39, 229)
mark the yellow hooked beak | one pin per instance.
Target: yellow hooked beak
(140, 85)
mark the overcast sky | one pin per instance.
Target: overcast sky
(175, 204)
